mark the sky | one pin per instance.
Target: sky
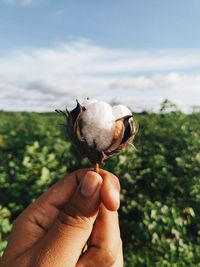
(134, 52)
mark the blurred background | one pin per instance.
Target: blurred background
(144, 54)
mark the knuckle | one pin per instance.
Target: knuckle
(70, 216)
(109, 257)
(105, 257)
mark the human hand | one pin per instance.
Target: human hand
(78, 210)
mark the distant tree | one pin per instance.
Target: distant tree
(167, 106)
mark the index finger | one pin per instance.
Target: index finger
(110, 190)
(105, 243)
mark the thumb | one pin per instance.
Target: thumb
(63, 244)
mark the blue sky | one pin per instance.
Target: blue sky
(137, 52)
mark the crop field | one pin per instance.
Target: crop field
(160, 180)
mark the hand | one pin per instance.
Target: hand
(53, 231)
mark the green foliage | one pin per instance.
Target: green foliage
(5, 227)
(160, 200)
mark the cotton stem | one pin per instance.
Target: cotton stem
(96, 167)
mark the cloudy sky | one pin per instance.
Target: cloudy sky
(133, 52)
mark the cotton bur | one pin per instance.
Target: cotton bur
(100, 130)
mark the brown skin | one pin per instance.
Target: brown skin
(54, 229)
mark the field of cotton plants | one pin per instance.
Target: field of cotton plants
(160, 180)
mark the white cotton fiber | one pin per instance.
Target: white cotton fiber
(88, 102)
(120, 111)
(98, 124)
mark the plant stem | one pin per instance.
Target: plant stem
(96, 167)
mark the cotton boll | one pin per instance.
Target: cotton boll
(99, 131)
(120, 111)
(98, 124)
(88, 102)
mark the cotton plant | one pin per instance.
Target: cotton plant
(100, 130)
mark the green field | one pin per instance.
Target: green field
(160, 198)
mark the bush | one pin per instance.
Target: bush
(5, 227)
(160, 200)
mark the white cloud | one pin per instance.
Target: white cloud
(45, 79)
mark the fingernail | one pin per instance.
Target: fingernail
(90, 184)
(114, 195)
